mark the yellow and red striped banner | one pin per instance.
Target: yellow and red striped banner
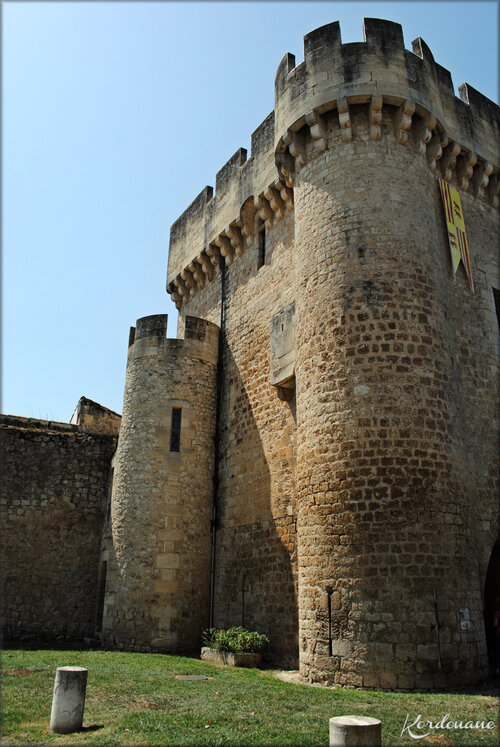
(457, 237)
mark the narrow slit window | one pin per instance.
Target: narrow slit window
(262, 244)
(110, 490)
(175, 430)
(496, 296)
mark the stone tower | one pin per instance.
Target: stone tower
(384, 480)
(356, 482)
(161, 502)
(359, 451)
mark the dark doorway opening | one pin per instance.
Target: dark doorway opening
(491, 603)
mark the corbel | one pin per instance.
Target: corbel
(286, 194)
(174, 295)
(434, 149)
(233, 232)
(375, 116)
(493, 189)
(226, 248)
(286, 394)
(198, 274)
(182, 289)
(247, 221)
(344, 119)
(213, 253)
(189, 281)
(465, 167)
(273, 196)
(423, 132)
(317, 129)
(206, 265)
(177, 299)
(265, 212)
(295, 143)
(480, 177)
(402, 121)
(286, 168)
(448, 160)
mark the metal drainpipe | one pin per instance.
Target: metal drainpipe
(218, 405)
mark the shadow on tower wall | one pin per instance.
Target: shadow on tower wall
(256, 556)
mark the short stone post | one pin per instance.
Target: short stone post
(355, 731)
(68, 700)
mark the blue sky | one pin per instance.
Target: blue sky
(115, 116)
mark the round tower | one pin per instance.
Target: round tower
(158, 588)
(389, 592)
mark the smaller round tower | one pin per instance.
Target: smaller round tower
(157, 595)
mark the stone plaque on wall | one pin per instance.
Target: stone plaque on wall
(283, 347)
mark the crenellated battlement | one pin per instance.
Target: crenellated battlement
(222, 224)
(378, 72)
(458, 137)
(148, 338)
(378, 65)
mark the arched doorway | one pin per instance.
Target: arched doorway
(491, 599)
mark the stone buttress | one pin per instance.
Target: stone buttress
(157, 593)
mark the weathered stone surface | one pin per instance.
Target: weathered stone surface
(54, 496)
(94, 418)
(283, 353)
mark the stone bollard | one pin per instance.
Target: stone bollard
(68, 700)
(355, 731)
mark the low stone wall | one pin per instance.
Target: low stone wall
(54, 498)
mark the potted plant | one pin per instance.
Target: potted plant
(235, 646)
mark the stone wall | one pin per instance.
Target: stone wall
(54, 494)
(94, 418)
(255, 579)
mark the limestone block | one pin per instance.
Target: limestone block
(283, 346)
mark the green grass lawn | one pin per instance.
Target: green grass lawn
(135, 699)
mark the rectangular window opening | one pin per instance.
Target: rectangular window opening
(175, 429)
